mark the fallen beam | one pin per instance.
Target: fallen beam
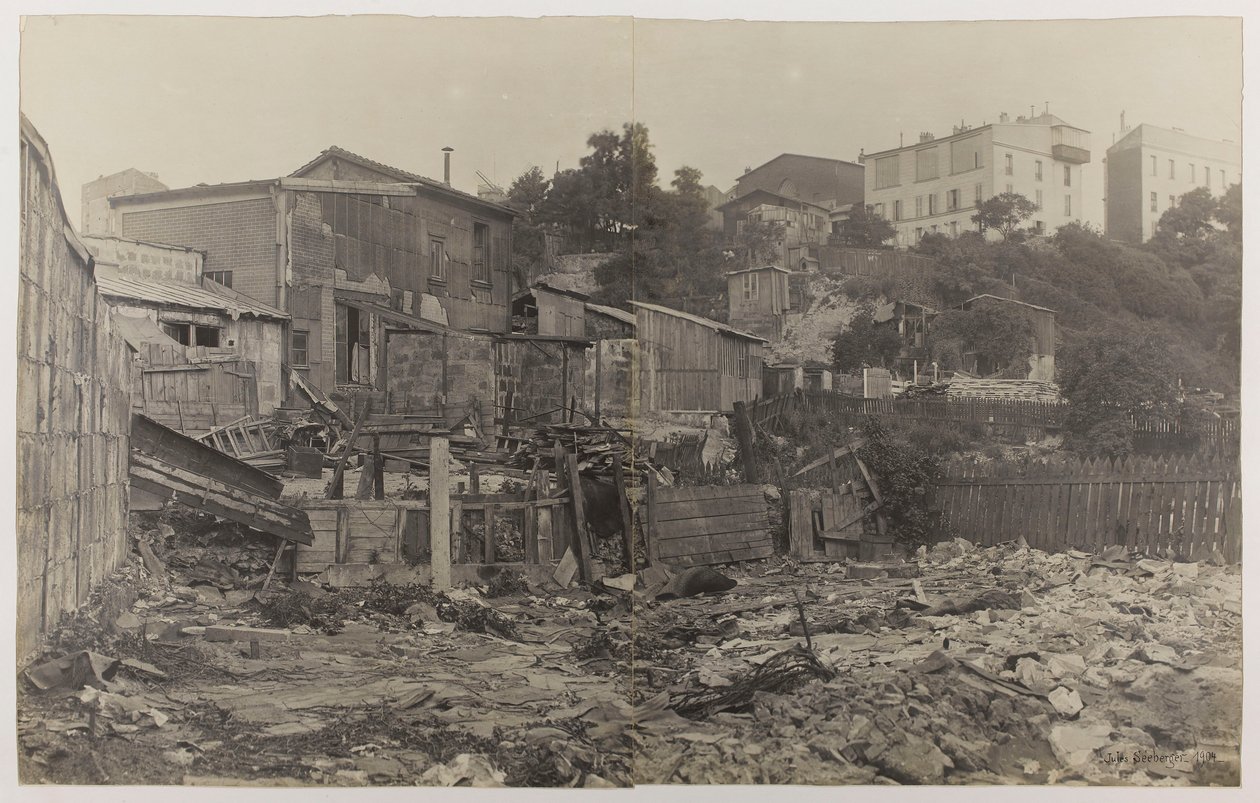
(165, 444)
(171, 482)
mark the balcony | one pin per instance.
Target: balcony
(1070, 153)
(1070, 144)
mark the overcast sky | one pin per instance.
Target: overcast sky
(202, 99)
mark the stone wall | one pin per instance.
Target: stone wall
(73, 413)
(612, 377)
(542, 375)
(429, 371)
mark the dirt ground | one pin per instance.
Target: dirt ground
(1001, 665)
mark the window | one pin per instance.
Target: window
(918, 206)
(932, 204)
(1039, 227)
(897, 210)
(750, 286)
(1172, 201)
(177, 332)
(951, 200)
(925, 164)
(1039, 204)
(1010, 165)
(299, 354)
(1193, 173)
(1010, 188)
(481, 252)
(978, 163)
(1037, 170)
(953, 229)
(1067, 205)
(918, 234)
(1207, 177)
(437, 259)
(207, 336)
(887, 172)
(979, 194)
(879, 209)
(354, 343)
(1172, 168)
(935, 228)
(1154, 166)
(223, 277)
(1222, 178)
(1067, 175)
(1154, 202)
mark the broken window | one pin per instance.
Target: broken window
(207, 336)
(481, 252)
(354, 338)
(299, 353)
(177, 332)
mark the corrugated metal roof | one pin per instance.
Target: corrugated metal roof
(613, 312)
(182, 295)
(696, 319)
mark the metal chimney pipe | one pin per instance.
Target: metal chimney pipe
(446, 168)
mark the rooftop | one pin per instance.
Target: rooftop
(696, 319)
(182, 295)
(613, 312)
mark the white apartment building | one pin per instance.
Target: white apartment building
(935, 184)
(1150, 168)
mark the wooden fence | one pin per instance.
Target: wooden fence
(706, 524)
(1189, 506)
(193, 389)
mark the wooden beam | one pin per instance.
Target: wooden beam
(650, 531)
(744, 438)
(582, 547)
(440, 515)
(627, 521)
(340, 469)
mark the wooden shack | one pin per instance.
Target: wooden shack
(757, 300)
(1041, 361)
(692, 364)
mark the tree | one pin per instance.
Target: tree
(1108, 376)
(864, 344)
(866, 229)
(527, 194)
(528, 191)
(758, 242)
(1004, 213)
(998, 334)
(1229, 211)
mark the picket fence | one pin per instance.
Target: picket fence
(1186, 507)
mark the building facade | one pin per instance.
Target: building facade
(1150, 168)
(758, 301)
(935, 185)
(96, 195)
(345, 246)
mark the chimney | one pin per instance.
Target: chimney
(1004, 117)
(446, 167)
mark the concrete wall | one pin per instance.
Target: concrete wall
(73, 413)
(150, 262)
(96, 195)
(236, 235)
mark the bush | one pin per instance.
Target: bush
(906, 474)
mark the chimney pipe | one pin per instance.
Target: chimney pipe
(446, 171)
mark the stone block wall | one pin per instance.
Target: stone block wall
(73, 413)
(543, 377)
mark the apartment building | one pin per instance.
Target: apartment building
(935, 185)
(1149, 168)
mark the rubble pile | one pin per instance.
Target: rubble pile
(999, 665)
(597, 449)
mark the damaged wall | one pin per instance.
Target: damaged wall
(612, 377)
(434, 370)
(73, 405)
(542, 374)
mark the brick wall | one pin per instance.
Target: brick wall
(239, 236)
(73, 404)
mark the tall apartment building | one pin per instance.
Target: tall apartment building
(1150, 168)
(935, 184)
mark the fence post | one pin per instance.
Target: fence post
(744, 437)
(440, 511)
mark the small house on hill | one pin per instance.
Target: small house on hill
(549, 311)
(689, 363)
(1041, 361)
(757, 300)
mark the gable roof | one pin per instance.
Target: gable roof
(613, 312)
(757, 269)
(760, 192)
(696, 319)
(403, 176)
(189, 296)
(1007, 300)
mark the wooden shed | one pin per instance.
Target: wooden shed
(690, 363)
(757, 300)
(1041, 362)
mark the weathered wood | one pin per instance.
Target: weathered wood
(442, 515)
(367, 478)
(164, 443)
(488, 545)
(627, 523)
(650, 530)
(744, 439)
(582, 546)
(168, 481)
(335, 486)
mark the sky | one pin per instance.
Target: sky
(206, 99)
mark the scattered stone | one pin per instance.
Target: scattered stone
(128, 622)
(1076, 744)
(1067, 702)
(914, 761)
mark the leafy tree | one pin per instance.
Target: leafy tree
(528, 191)
(1004, 213)
(906, 473)
(965, 265)
(997, 333)
(864, 344)
(1229, 211)
(866, 229)
(1106, 377)
(1192, 216)
(527, 194)
(758, 242)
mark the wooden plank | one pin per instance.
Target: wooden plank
(650, 531)
(164, 443)
(718, 524)
(488, 545)
(686, 511)
(627, 523)
(800, 524)
(582, 551)
(443, 514)
(703, 493)
(334, 487)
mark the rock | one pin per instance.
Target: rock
(463, 770)
(1034, 675)
(352, 776)
(1076, 744)
(914, 761)
(1159, 654)
(421, 611)
(128, 621)
(1187, 571)
(1065, 664)
(209, 595)
(623, 583)
(1066, 702)
(183, 757)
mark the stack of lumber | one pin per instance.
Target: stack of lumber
(962, 387)
(407, 437)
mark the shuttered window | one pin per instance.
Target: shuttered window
(887, 172)
(925, 166)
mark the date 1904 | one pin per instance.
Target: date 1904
(1137, 758)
